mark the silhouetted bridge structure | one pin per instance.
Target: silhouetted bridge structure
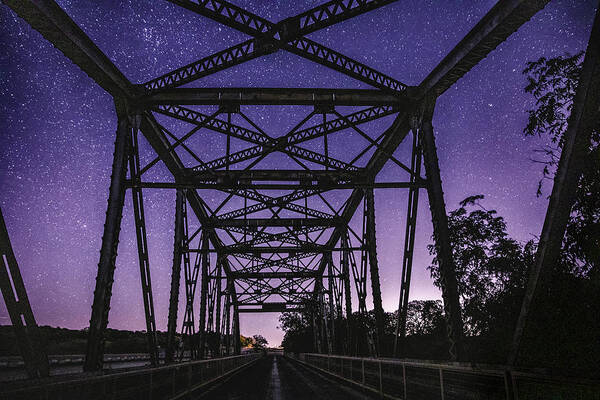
(257, 252)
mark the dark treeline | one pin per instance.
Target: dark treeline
(58, 341)
(492, 267)
(72, 341)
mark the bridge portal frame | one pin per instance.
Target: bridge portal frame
(134, 103)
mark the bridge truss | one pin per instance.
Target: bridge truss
(252, 239)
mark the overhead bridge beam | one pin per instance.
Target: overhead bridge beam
(274, 222)
(273, 275)
(280, 186)
(272, 96)
(298, 175)
(308, 248)
(270, 309)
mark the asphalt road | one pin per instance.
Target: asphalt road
(276, 378)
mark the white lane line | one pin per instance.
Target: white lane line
(275, 385)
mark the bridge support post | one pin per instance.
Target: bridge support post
(347, 294)
(441, 233)
(228, 318)
(218, 305)
(191, 280)
(581, 123)
(178, 248)
(108, 251)
(409, 243)
(332, 311)
(19, 309)
(142, 240)
(237, 346)
(371, 243)
(316, 316)
(203, 295)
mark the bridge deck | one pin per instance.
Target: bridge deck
(277, 378)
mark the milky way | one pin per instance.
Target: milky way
(57, 135)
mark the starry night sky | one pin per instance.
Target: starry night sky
(57, 135)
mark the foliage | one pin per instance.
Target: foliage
(553, 83)
(491, 268)
(563, 329)
(425, 317)
(259, 342)
(297, 326)
(256, 341)
(245, 341)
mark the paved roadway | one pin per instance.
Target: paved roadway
(276, 378)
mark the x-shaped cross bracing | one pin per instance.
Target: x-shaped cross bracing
(269, 37)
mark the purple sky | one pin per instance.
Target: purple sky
(58, 127)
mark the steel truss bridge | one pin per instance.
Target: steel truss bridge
(253, 251)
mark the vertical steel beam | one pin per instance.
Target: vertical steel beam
(330, 289)
(175, 275)
(316, 316)
(191, 280)
(441, 233)
(108, 251)
(374, 271)
(203, 295)
(360, 279)
(581, 123)
(325, 314)
(19, 309)
(236, 329)
(218, 305)
(347, 294)
(142, 240)
(409, 243)
(228, 318)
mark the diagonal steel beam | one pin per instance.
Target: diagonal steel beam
(338, 124)
(59, 29)
(208, 65)
(494, 28)
(292, 138)
(228, 14)
(215, 124)
(582, 122)
(266, 202)
(286, 34)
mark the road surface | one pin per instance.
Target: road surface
(276, 378)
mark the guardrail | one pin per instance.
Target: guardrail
(168, 382)
(7, 362)
(408, 380)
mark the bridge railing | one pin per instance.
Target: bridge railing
(167, 382)
(406, 379)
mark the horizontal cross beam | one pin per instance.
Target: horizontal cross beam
(273, 222)
(298, 175)
(273, 275)
(272, 96)
(309, 247)
(269, 309)
(276, 186)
